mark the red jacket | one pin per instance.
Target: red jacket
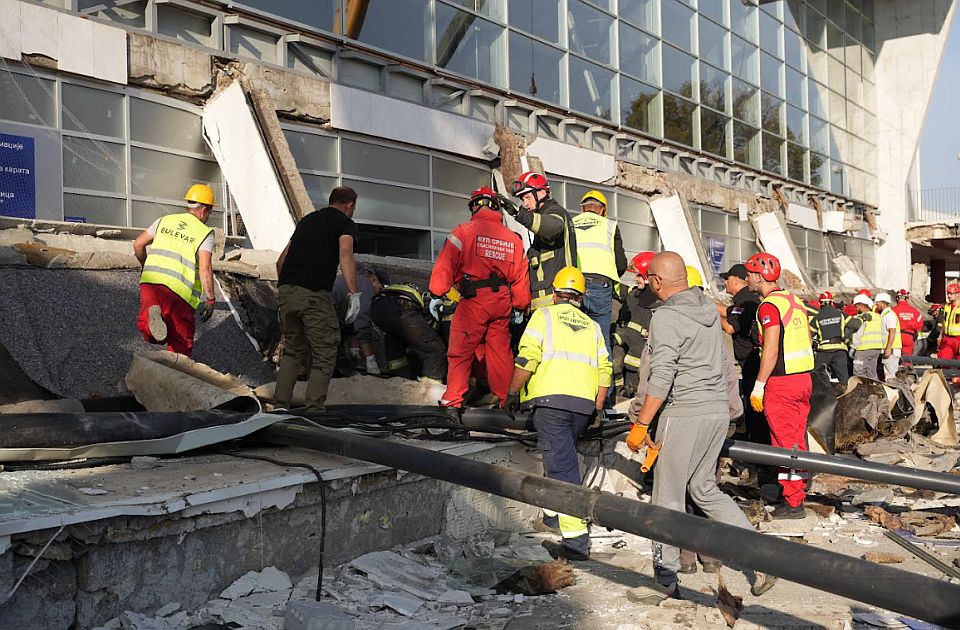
(910, 319)
(481, 247)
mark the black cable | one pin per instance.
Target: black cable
(323, 503)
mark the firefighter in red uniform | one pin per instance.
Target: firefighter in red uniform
(911, 321)
(486, 263)
(783, 387)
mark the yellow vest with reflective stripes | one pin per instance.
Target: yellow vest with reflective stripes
(565, 350)
(172, 258)
(897, 340)
(595, 236)
(872, 337)
(406, 290)
(951, 321)
(795, 331)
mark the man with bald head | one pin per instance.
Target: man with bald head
(687, 381)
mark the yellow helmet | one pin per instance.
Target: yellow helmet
(570, 279)
(200, 193)
(595, 195)
(693, 277)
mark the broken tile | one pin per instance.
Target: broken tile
(406, 605)
(391, 570)
(167, 610)
(459, 598)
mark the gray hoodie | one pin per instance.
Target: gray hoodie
(686, 355)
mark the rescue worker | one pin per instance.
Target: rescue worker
(950, 324)
(554, 244)
(485, 261)
(892, 342)
(562, 373)
(360, 338)
(867, 342)
(911, 322)
(850, 310)
(602, 261)
(399, 311)
(176, 279)
(831, 349)
(687, 380)
(633, 322)
(783, 386)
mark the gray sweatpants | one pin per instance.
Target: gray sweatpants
(690, 447)
(865, 363)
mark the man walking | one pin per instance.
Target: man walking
(561, 374)
(176, 281)
(892, 341)
(307, 268)
(686, 375)
(828, 325)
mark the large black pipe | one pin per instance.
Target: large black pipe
(848, 467)
(947, 363)
(879, 585)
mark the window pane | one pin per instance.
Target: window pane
(678, 119)
(713, 87)
(819, 135)
(186, 26)
(458, 177)
(167, 176)
(744, 60)
(449, 211)
(165, 126)
(746, 144)
(714, 10)
(638, 54)
(633, 210)
(713, 43)
(390, 204)
(319, 188)
(590, 31)
(770, 74)
(793, 48)
(490, 8)
(92, 111)
(639, 106)
(771, 113)
(746, 102)
(312, 152)
(795, 129)
(639, 238)
(795, 87)
(817, 102)
(590, 88)
(94, 165)
(743, 20)
(770, 34)
(385, 163)
(795, 159)
(534, 68)
(322, 14)
(90, 209)
(713, 132)
(816, 29)
(771, 154)
(145, 212)
(469, 45)
(677, 71)
(383, 240)
(395, 25)
(677, 22)
(27, 99)
(537, 17)
(253, 44)
(129, 14)
(819, 170)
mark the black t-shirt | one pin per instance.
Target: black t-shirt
(314, 253)
(742, 316)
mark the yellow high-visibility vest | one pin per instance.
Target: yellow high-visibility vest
(565, 350)
(872, 337)
(405, 290)
(951, 321)
(897, 341)
(595, 238)
(172, 258)
(795, 331)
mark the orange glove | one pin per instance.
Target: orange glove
(652, 453)
(638, 433)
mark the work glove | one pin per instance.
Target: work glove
(756, 396)
(353, 308)
(516, 317)
(507, 205)
(205, 309)
(636, 437)
(512, 404)
(436, 308)
(653, 451)
(372, 368)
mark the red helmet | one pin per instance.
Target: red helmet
(953, 287)
(903, 294)
(865, 292)
(826, 296)
(529, 182)
(641, 263)
(765, 264)
(483, 197)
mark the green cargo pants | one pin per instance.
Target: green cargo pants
(307, 319)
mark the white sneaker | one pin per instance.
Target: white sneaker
(156, 325)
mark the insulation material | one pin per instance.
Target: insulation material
(357, 390)
(675, 231)
(166, 381)
(571, 161)
(834, 220)
(773, 235)
(933, 389)
(802, 215)
(231, 130)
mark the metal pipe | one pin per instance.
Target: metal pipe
(848, 467)
(931, 361)
(894, 589)
(927, 557)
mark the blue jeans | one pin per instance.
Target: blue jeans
(598, 303)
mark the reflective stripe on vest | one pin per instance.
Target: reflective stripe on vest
(951, 321)
(406, 291)
(897, 339)
(795, 335)
(172, 258)
(872, 337)
(595, 238)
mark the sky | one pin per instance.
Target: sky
(940, 141)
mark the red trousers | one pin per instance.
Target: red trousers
(907, 344)
(786, 403)
(179, 317)
(480, 320)
(949, 348)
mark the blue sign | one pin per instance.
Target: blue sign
(18, 183)
(716, 248)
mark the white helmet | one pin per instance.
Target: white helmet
(883, 297)
(863, 299)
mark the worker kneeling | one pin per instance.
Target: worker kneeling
(562, 373)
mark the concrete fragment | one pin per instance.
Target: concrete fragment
(93, 491)
(882, 557)
(458, 598)
(144, 462)
(356, 389)
(273, 579)
(406, 605)
(67, 405)
(167, 610)
(391, 570)
(166, 381)
(316, 616)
